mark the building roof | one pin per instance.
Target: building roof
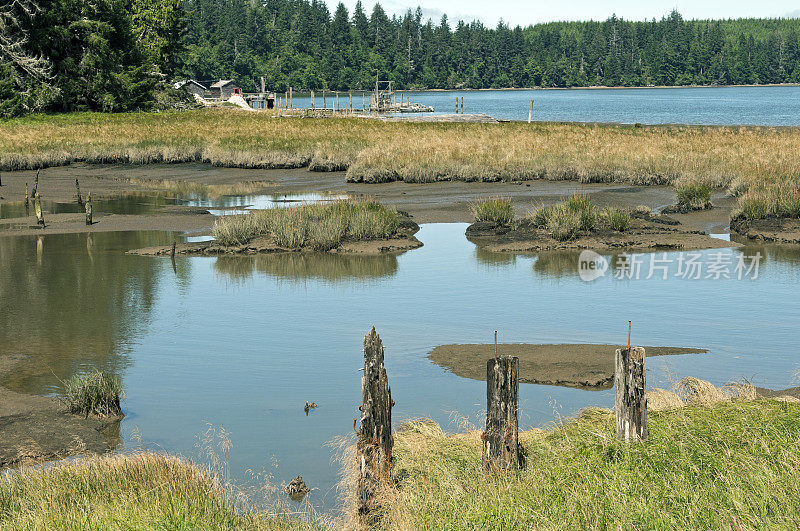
(221, 83)
(180, 84)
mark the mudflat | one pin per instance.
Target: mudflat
(38, 428)
(438, 202)
(583, 366)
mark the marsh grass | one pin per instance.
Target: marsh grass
(495, 209)
(780, 201)
(190, 188)
(566, 220)
(694, 195)
(134, 491)
(730, 465)
(617, 218)
(321, 226)
(94, 392)
(739, 158)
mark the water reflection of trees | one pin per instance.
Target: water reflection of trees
(300, 266)
(72, 300)
(557, 263)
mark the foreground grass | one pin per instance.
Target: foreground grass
(731, 464)
(320, 226)
(140, 491)
(763, 160)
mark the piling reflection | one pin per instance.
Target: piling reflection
(68, 301)
(308, 266)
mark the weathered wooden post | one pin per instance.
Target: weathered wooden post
(462, 104)
(27, 212)
(456, 104)
(530, 112)
(501, 438)
(291, 98)
(631, 402)
(78, 192)
(374, 446)
(351, 101)
(35, 185)
(39, 213)
(313, 100)
(324, 101)
(89, 209)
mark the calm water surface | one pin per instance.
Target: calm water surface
(707, 105)
(243, 342)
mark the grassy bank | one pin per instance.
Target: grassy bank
(140, 491)
(730, 465)
(322, 226)
(765, 161)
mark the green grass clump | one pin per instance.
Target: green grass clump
(497, 209)
(563, 222)
(732, 465)
(617, 218)
(139, 491)
(694, 195)
(320, 226)
(94, 393)
(233, 230)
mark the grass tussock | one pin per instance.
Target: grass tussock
(496, 209)
(138, 491)
(94, 393)
(617, 218)
(566, 220)
(695, 196)
(781, 201)
(320, 226)
(730, 465)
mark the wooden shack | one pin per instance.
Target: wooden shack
(224, 89)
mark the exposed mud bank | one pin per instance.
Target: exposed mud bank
(37, 428)
(581, 366)
(773, 230)
(653, 233)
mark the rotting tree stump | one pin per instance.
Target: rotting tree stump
(631, 402)
(374, 446)
(501, 438)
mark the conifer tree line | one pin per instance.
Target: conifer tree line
(119, 55)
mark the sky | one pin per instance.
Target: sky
(520, 12)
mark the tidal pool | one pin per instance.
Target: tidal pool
(243, 342)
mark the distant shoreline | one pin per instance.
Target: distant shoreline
(594, 87)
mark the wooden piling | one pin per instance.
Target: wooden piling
(501, 438)
(374, 446)
(35, 186)
(350, 94)
(530, 112)
(89, 209)
(26, 198)
(39, 212)
(78, 198)
(291, 98)
(631, 402)
(462, 104)
(313, 100)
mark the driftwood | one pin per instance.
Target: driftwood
(631, 402)
(501, 438)
(374, 446)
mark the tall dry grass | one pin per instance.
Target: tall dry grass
(740, 158)
(138, 491)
